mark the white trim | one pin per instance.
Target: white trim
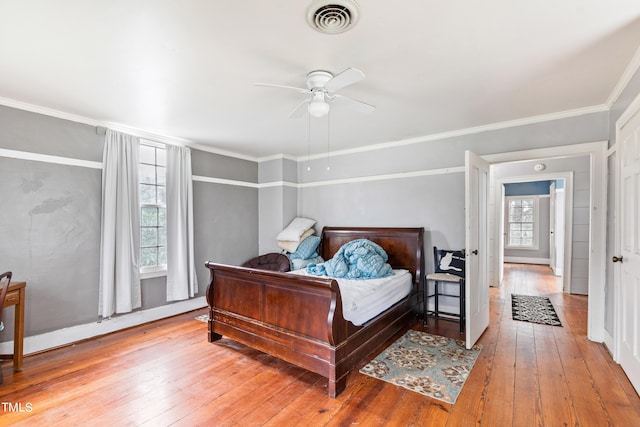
(624, 80)
(36, 157)
(152, 272)
(184, 142)
(211, 180)
(65, 336)
(527, 260)
(384, 177)
(25, 155)
(558, 151)
(462, 132)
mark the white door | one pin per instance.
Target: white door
(477, 247)
(552, 227)
(628, 283)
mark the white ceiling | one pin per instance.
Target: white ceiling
(186, 68)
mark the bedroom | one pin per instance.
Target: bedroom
(51, 174)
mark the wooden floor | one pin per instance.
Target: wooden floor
(166, 373)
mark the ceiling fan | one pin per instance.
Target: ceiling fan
(320, 91)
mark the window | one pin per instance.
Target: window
(153, 209)
(522, 222)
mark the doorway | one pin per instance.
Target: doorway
(552, 240)
(594, 212)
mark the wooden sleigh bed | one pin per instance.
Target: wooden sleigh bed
(299, 318)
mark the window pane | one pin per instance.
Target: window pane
(148, 237)
(162, 217)
(161, 157)
(161, 176)
(147, 174)
(162, 256)
(147, 154)
(149, 257)
(152, 192)
(147, 194)
(149, 217)
(162, 236)
(162, 195)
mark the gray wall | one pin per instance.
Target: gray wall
(50, 223)
(434, 200)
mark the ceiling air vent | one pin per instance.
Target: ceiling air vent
(332, 16)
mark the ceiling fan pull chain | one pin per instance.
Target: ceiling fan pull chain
(328, 139)
(309, 143)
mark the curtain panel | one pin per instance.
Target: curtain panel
(182, 282)
(119, 290)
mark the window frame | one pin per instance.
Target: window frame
(161, 269)
(536, 223)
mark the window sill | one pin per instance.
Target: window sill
(153, 272)
(523, 248)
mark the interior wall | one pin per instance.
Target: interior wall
(50, 224)
(423, 184)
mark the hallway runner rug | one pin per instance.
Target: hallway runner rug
(535, 309)
(428, 364)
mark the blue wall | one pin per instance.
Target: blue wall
(532, 188)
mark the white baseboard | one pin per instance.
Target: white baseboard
(60, 337)
(526, 260)
(608, 342)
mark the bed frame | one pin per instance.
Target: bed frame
(299, 318)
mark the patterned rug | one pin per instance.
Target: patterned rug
(529, 308)
(427, 364)
(203, 318)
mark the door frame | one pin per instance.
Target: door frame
(498, 218)
(597, 152)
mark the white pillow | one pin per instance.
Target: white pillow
(296, 229)
(292, 246)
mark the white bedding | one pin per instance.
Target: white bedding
(363, 300)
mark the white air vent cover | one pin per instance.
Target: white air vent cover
(332, 16)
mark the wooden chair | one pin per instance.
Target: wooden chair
(5, 280)
(449, 268)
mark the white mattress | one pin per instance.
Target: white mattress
(363, 300)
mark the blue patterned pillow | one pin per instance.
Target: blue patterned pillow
(307, 248)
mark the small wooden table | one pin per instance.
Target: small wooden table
(15, 296)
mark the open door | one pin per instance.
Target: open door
(628, 259)
(476, 247)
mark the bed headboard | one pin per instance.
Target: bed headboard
(405, 246)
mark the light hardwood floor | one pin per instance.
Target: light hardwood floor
(166, 373)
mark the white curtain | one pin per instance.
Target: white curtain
(120, 231)
(181, 273)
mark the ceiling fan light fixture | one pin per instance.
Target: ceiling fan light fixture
(332, 16)
(318, 107)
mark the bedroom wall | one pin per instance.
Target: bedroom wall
(50, 223)
(422, 184)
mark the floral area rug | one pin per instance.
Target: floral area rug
(428, 364)
(529, 308)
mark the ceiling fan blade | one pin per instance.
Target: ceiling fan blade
(354, 104)
(345, 78)
(297, 89)
(300, 109)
